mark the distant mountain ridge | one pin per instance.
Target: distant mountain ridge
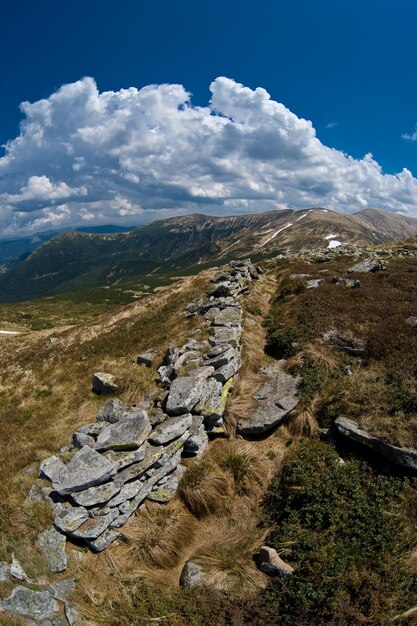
(76, 258)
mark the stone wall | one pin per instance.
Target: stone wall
(133, 453)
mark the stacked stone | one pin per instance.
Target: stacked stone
(200, 374)
(130, 454)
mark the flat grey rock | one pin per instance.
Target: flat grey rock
(127, 492)
(52, 544)
(87, 468)
(230, 316)
(104, 384)
(405, 457)
(50, 468)
(114, 410)
(224, 335)
(93, 429)
(172, 428)
(222, 359)
(96, 495)
(72, 614)
(37, 605)
(70, 519)
(227, 371)
(314, 283)
(127, 434)
(351, 345)
(103, 542)
(184, 394)
(61, 589)
(367, 265)
(204, 371)
(17, 571)
(275, 399)
(166, 491)
(94, 527)
(4, 571)
(122, 459)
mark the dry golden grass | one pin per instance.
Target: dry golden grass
(156, 537)
(241, 460)
(204, 489)
(228, 563)
(45, 393)
(302, 423)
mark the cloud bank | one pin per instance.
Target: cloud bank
(85, 157)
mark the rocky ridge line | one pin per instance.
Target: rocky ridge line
(133, 453)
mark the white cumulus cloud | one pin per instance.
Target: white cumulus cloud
(85, 156)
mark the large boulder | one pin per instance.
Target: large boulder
(275, 398)
(127, 434)
(184, 394)
(405, 457)
(87, 468)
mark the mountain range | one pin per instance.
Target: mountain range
(74, 259)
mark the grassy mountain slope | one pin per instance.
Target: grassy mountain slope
(74, 260)
(346, 527)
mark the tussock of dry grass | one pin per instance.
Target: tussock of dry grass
(204, 489)
(156, 537)
(228, 562)
(242, 461)
(302, 423)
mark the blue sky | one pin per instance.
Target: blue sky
(349, 67)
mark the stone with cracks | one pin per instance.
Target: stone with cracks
(214, 406)
(224, 373)
(184, 394)
(52, 544)
(230, 316)
(171, 429)
(223, 358)
(62, 588)
(224, 335)
(94, 527)
(103, 542)
(104, 384)
(201, 372)
(37, 605)
(50, 468)
(127, 434)
(70, 519)
(127, 492)
(87, 468)
(96, 495)
(114, 410)
(166, 491)
(275, 399)
(122, 459)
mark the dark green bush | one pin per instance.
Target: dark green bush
(346, 530)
